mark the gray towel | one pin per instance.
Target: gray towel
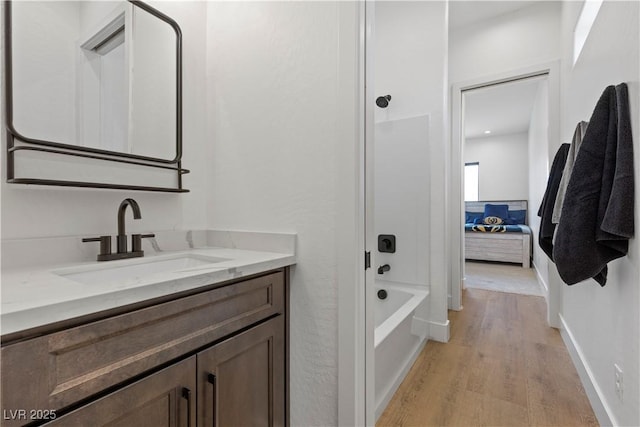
(568, 168)
(597, 215)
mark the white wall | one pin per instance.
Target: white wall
(498, 48)
(402, 198)
(504, 165)
(604, 322)
(410, 40)
(507, 42)
(538, 154)
(284, 158)
(31, 211)
(408, 45)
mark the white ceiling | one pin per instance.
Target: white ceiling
(467, 12)
(502, 109)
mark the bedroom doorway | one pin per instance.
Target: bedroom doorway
(500, 131)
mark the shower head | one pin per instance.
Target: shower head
(383, 101)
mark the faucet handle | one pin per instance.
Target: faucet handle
(105, 244)
(136, 241)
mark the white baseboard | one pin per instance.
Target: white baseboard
(552, 319)
(594, 393)
(545, 285)
(439, 331)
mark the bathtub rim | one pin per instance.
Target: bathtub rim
(419, 292)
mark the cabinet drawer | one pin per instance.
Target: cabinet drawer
(56, 370)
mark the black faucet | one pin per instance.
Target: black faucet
(121, 239)
(384, 268)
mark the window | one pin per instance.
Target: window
(588, 15)
(471, 182)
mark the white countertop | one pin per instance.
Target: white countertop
(32, 297)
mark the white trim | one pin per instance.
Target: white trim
(350, 222)
(545, 285)
(109, 26)
(594, 393)
(456, 204)
(369, 211)
(456, 197)
(439, 331)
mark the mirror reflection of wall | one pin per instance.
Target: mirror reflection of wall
(95, 74)
(102, 84)
(44, 104)
(153, 86)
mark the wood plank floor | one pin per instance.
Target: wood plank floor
(502, 367)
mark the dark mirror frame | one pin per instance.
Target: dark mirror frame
(58, 148)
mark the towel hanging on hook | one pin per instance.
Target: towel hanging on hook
(597, 216)
(578, 135)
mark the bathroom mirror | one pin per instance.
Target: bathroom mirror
(93, 92)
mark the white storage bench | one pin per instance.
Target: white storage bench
(502, 247)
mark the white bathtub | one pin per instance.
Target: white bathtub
(396, 347)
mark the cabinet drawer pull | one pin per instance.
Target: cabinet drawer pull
(186, 394)
(211, 378)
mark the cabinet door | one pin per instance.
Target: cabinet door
(166, 398)
(241, 380)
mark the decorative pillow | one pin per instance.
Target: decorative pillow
(492, 220)
(470, 217)
(501, 211)
(518, 216)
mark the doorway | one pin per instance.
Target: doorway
(504, 154)
(485, 112)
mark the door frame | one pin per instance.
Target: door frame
(456, 207)
(369, 212)
(356, 393)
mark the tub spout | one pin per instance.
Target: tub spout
(384, 268)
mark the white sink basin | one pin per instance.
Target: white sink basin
(138, 269)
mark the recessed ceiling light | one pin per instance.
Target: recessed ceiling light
(487, 132)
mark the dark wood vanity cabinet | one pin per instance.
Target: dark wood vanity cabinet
(241, 380)
(214, 358)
